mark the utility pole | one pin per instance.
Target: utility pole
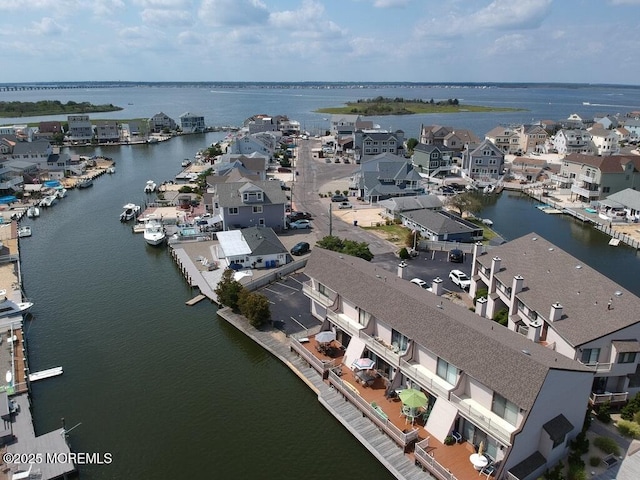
(330, 220)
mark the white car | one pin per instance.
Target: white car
(421, 283)
(344, 205)
(300, 224)
(460, 279)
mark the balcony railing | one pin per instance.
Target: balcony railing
(483, 421)
(561, 179)
(584, 192)
(351, 393)
(315, 295)
(352, 328)
(600, 398)
(320, 366)
(599, 367)
(424, 380)
(587, 178)
(380, 348)
(430, 463)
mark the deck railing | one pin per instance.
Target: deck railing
(316, 363)
(600, 398)
(483, 421)
(414, 373)
(430, 462)
(403, 439)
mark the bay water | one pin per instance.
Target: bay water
(169, 390)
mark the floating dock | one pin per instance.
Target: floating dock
(41, 375)
(195, 300)
(614, 242)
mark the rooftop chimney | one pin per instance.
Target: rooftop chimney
(518, 284)
(437, 287)
(495, 265)
(556, 312)
(481, 306)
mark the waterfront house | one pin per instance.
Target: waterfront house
(46, 130)
(393, 207)
(385, 176)
(567, 141)
(627, 201)
(605, 141)
(369, 143)
(454, 138)
(523, 401)
(485, 163)
(161, 122)
(531, 138)
(248, 204)
(254, 247)
(633, 127)
(253, 165)
(263, 143)
(345, 124)
(441, 226)
(607, 122)
(527, 169)
(593, 177)
(37, 152)
(80, 128)
(192, 123)
(433, 159)
(505, 138)
(553, 299)
(107, 131)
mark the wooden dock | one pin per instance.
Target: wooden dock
(195, 300)
(41, 375)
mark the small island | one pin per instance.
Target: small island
(51, 107)
(400, 106)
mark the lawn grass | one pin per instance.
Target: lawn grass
(393, 233)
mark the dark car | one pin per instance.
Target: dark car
(294, 216)
(300, 248)
(339, 198)
(456, 256)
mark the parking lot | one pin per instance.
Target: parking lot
(290, 310)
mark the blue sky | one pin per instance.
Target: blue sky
(582, 41)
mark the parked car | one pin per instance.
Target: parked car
(300, 248)
(300, 224)
(284, 170)
(421, 283)
(339, 198)
(460, 279)
(344, 205)
(293, 216)
(456, 256)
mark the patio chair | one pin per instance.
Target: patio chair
(457, 436)
(489, 470)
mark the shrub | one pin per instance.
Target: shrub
(594, 461)
(604, 414)
(229, 290)
(576, 472)
(502, 317)
(449, 440)
(555, 474)
(255, 307)
(403, 253)
(636, 417)
(575, 460)
(631, 408)
(581, 443)
(628, 429)
(607, 445)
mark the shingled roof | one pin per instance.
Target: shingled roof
(553, 275)
(502, 360)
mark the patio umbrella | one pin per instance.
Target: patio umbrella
(481, 448)
(326, 336)
(364, 364)
(413, 398)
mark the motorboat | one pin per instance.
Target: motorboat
(24, 231)
(154, 233)
(130, 212)
(85, 182)
(48, 201)
(61, 192)
(9, 307)
(111, 170)
(186, 162)
(150, 187)
(489, 189)
(33, 211)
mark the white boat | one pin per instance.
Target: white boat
(150, 187)
(61, 192)
(48, 201)
(154, 233)
(9, 307)
(488, 189)
(84, 182)
(111, 170)
(24, 231)
(186, 162)
(33, 212)
(130, 212)
(487, 221)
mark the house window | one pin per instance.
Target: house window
(447, 371)
(233, 211)
(504, 408)
(492, 161)
(486, 153)
(257, 209)
(322, 290)
(400, 341)
(590, 355)
(362, 316)
(627, 357)
(478, 161)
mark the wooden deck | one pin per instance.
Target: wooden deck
(454, 458)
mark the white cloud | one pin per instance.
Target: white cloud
(307, 16)
(507, 14)
(390, 3)
(106, 7)
(624, 2)
(47, 27)
(233, 13)
(510, 44)
(165, 18)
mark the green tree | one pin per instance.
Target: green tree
(228, 290)
(332, 243)
(411, 144)
(464, 202)
(255, 307)
(357, 249)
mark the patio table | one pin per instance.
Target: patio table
(478, 461)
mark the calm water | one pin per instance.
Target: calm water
(169, 390)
